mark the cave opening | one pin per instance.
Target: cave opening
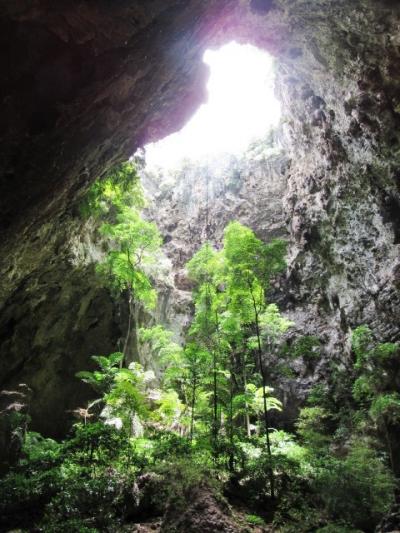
(224, 163)
(241, 107)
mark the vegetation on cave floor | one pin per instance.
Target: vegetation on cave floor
(197, 449)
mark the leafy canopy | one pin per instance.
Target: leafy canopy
(132, 241)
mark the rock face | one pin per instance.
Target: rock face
(55, 314)
(205, 514)
(343, 200)
(197, 202)
(14, 405)
(84, 84)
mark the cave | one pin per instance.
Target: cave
(86, 85)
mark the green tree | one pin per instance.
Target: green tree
(117, 201)
(126, 402)
(122, 391)
(250, 266)
(101, 380)
(376, 388)
(205, 268)
(120, 186)
(195, 364)
(232, 319)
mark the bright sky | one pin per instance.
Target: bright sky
(241, 107)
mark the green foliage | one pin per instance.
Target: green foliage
(313, 427)
(249, 256)
(169, 447)
(72, 508)
(183, 476)
(369, 352)
(122, 390)
(255, 520)
(376, 389)
(170, 408)
(39, 450)
(317, 395)
(324, 491)
(207, 423)
(96, 441)
(204, 265)
(255, 399)
(163, 348)
(78, 485)
(345, 480)
(307, 347)
(296, 514)
(121, 186)
(272, 323)
(102, 380)
(134, 242)
(357, 489)
(387, 406)
(361, 341)
(116, 202)
(362, 390)
(126, 403)
(234, 324)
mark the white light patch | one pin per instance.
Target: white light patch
(241, 107)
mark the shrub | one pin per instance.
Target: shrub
(308, 347)
(255, 520)
(338, 528)
(93, 504)
(357, 489)
(313, 427)
(167, 445)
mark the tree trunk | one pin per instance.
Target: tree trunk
(215, 402)
(266, 417)
(246, 407)
(128, 333)
(193, 404)
(231, 454)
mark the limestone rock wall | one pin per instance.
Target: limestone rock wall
(343, 203)
(214, 192)
(196, 202)
(54, 316)
(340, 104)
(83, 85)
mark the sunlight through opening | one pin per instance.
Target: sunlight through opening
(241, 107)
